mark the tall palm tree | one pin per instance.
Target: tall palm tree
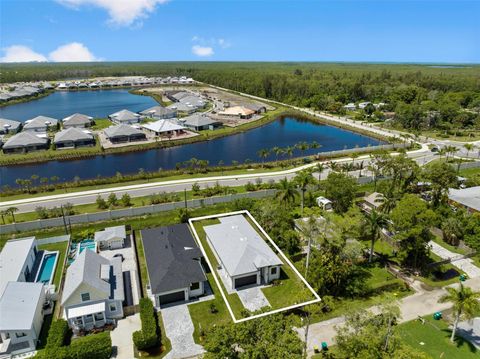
(469, 147)
(310, 230)
(319, 167)
(289, 151)
(302, 146)
(263, 154)
(277, 151)
(388, 201)
(465, 304)
(303, 179)
(286, 192)
(374, 222)
(11, 211)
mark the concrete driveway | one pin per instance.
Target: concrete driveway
(253, 298)
(179, 329)
(122, 336)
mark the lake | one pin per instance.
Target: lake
(60, 104)
(282, 132)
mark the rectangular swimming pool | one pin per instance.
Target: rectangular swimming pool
(47, 268)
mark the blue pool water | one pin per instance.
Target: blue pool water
(88, 244)
(45, 274)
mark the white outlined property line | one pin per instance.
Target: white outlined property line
(217, 280)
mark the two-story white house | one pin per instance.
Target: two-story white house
(93, 293)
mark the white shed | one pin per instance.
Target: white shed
(111, 237)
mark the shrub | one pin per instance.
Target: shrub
(57, 334)
(112, 199)
(96, 346)
(126, 200)
(101, 203)
(147, 337)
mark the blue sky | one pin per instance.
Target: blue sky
(267, 30)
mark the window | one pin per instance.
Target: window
(20, 334)
(113, 307)
(78, 321)
(89, 318)
(195, 286)
(99, 316)
(85, 297)
(273, 271)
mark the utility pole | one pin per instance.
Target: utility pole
(64, 220)
(185, 197)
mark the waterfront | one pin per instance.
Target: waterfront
(244, 146)
(95, 103)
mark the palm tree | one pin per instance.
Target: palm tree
(302, 146)
(286, 192)
(375, 221)
(3, 214)
(388, 201)
(303, 179)
(319, 167)
(263, 154)
(277, 151)
(11, 211)
(469, 147)
(310, 231)
(465, 304)
(289, 151)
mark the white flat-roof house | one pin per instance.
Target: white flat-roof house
(111, 237)
(21, 319)
(242, 252)
(93, 292)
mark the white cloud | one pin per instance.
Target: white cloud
(224, 44)
(202, 51)
(121, 12)
(20, 53)
(73, 52)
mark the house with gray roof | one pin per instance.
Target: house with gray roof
(159, 113)
(9, 126)
(25, 142)
(21, 319)
(111, 237)
(93, 292)
(174, 267)
(244, 256)
(41, 124)
(73, 137)
(193, 100)
(124, 133)
(199, 122)
(182, 109)
(124, 117)
(77, 120)
(468, 198)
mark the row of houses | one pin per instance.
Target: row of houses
(23, 90)
(352, 106)
(124, 82)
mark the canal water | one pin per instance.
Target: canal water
(282, 132)
(60, 104)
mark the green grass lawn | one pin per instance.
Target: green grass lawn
(433, 280)
(62, 248)
(435, 336)
(101, 123)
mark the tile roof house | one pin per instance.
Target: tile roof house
(41, 124)
(175, 272)
(9, 126)
(124, 117)
(77, 120)
(243, 254)
(164, 128)
(159, 112)
(25, 142)
(93, 292)
(199, 122)
(73, 137)
(124, 133)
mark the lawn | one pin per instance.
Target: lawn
(62, 248)
(435, 336)
(101, 123)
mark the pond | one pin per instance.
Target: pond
(60, 104)
(282, 132)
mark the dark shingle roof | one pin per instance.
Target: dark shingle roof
(172, 258)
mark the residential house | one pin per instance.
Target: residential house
(468, 198)
(238, 111)
(175, 272)
(372, 202)
(242, 253)
(77, 120)
(25, 142)
(124, 117)
(194, 101)
(362, 105)
(124, 133)
(182, 109)
(21, 319)
(73, 137)
(159, 112)
(111, 237)
(93, 292)
(176, 96)
(324, 203)
(350, 107)
(199, 122)
(9, 126)
(164, 128)
(41, 124)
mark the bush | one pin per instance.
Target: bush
(101, 203)
(57, 334)
(147, 337)
(96, 346)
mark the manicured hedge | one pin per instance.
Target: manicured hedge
(57, 334)
(147, 337)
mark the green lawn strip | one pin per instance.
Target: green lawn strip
(202, 317)
(434, 282)
(101, 123)
(62, 248)
(435, 336)
(470, 172)
(141, 260)
(451, 248)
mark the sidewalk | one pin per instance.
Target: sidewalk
(457, 260)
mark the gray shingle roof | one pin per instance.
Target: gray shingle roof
(240, 248)
(87, 269)
(72, 134)
(121, 130)
(124, 116)
(40, 122)
(198, 120)
(24, 139)
(157, 111)
(109, 233)
(469, 197)
(172, 258)
(11, 124)
(77, 119)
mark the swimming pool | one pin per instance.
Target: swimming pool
(47, 268)
(87, 244)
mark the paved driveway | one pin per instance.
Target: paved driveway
(253, 298)
(122, 336)
(179, 329)
(465, 264)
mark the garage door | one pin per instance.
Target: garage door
(251, 279)
(172, 297)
